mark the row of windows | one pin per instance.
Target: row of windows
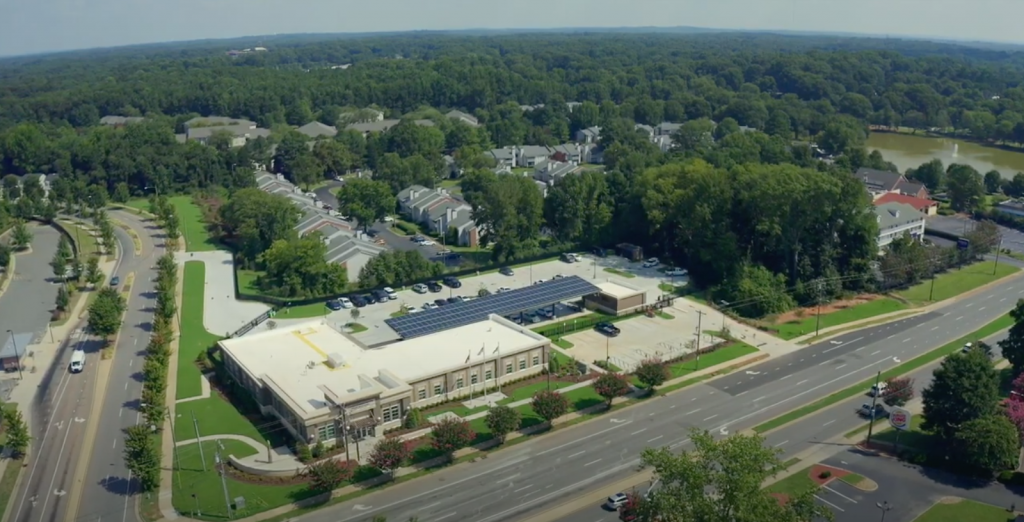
(392, 413)
(326, 432)
(421, 394)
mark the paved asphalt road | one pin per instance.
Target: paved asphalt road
(1012, 239)
(26, 304)
(107, 493)
(540, 474)
(811, 432)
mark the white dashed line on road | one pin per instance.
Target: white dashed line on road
(592, 462)
(711, 417)
(801, 382)
(841, 366)
(876, 352)
(656, 438)
(638, 431)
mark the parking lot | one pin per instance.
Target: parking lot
(589, 268)
(1012, 239)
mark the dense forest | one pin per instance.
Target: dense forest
(741, 198)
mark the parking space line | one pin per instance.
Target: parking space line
(829, 503)
(840, 494)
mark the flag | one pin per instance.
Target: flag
(468, 355)
(481, 352)
(496, 349)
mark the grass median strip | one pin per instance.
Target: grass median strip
(1002, 323)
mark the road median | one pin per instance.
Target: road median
(1001, 323)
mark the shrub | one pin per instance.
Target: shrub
(502, 420)
(451, 435)
(329, 474)
(413, 419)
(389, 453)
(825, 474)
(549, 405)
(304, 453)
(611, 385)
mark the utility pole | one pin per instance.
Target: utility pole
(547, 361)
(874, 400)
(174, 441)
(17, 356)
(820, 286)
(195, 424)
(998, 248)
(223, 481)
(345, 430)
(700, 315)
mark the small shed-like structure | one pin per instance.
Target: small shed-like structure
(13, 351)
(616, 298)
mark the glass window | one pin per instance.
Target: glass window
(392, 413)
(458, 383)
(522, 364)
(326, 432)
(488, 375)
(422, 394)
(473, 379)
(508, 367)
(437, 389)
(536, 360)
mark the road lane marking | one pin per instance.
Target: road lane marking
(982, 308)
(801, 382)
(827, 423)
(781, 443)
(638, 431)
(711, 417)
(840, 494)
(452, 514)
(656, 438)
(959, 318)
(577, 454)
(876, 352)
(759, 398)
(53, 479)
(1003, 299)
(694, 411)
(842, 345)
(829, 503)
(786, 377)
(968, 305)
(934, 328)
(907, 339)
(524, 488)
(841, 366)
(115, 444)
(507, 479)
(556, 448)
(592, 462)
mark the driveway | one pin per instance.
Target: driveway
(640, 339)
(909, 489)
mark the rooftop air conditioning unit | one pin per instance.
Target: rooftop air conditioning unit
(335, 360)
(310, 365)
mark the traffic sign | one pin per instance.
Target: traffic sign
(900, 419)
(962, 244)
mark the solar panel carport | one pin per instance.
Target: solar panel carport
(505, 303)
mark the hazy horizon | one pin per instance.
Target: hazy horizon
(43, 26)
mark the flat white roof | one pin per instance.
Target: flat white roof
(617, 290)
(294, 359)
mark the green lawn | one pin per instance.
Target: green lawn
(965, 510)
(852, 479)
(529, 390)
(956, 282)
(194, 337)
(620, 273)
(138, 204)
(562, 343)
(7, 482)
(217, 416)
(914, 437)
(719, 356)
(206, 486)
(193, 228)
(1001, 323)
(854, 313)
(794, 484)
(86, 242)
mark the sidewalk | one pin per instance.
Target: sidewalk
(166, 440)
(715, 320)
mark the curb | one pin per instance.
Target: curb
(8, 274)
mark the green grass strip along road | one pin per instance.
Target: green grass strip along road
(995, 326)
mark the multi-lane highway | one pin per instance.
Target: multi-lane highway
(535, 476)
(63, 456)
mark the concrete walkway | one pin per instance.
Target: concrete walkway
(222, 312)
(205, 386)
(278, 459)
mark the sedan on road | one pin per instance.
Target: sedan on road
(616, 501)
(114, 281)
(608, 329)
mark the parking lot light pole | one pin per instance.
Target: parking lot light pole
(17, 357)
(885, 507)
(871, 423)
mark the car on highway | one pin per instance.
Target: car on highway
(879, 411)
(419, 288)
(614, 502)
(77, 361)
(440, 302)
(676, 272)
(651, 263)
(507, 271)
(434, 286)
(877, 390)
(358, 301)
(114, 281)
(452, 282)
(608, 329)
(391, 293)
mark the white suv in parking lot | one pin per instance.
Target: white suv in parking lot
(651, 263)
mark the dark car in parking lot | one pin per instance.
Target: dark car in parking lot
(380, 295)
(369, 298)
(334, 304)
(440, 302)
(599, 252)
(358, 301)
(452, 281)
(506, 271)
(608, 329)
(434, 286)
(455, 299)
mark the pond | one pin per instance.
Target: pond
(909, 151)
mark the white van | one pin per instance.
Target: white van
(77, 361)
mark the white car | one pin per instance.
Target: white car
(388, 219)
(392, 295)
(345, 302)
(539, 281)
(426, 242)
(430, 306)
(676, 272)
(559, 276)
(419, 288)
(503, 289)
(651, 263)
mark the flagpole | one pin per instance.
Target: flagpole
(497, 374)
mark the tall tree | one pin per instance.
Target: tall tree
(297, 268)
(964, 388)
(252, 220)
(734, 468)
(579, 208)
(21, 236)
(964, 186)
(142, 457)
(366, 200)
(989, 444)
(450, 435)
(1013, 346)
(105, 312)
(502, 420)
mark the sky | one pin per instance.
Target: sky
(36, 26)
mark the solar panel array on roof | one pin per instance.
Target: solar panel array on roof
(469, 312)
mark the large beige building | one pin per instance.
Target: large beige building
(318, 380)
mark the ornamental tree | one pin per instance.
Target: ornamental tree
(328, 474)
(549, 405)
(990, 444)
(18, 436)
(651, 373)
(898, 391)
(142, 457)
(450, 435)
(611, 385)
(389, 453)
(502, 420)
(1015, 412)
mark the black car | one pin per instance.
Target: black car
(440, 302)
(434, 286)
(599, 252)
(452, 282)
(381, 296)
(358, 301)
(608, 329)
(369, 298)
(455, 299)
(506, 271)
(334, 304)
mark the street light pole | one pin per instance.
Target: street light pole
(885, 507)
(17, 357)
(871, 423)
